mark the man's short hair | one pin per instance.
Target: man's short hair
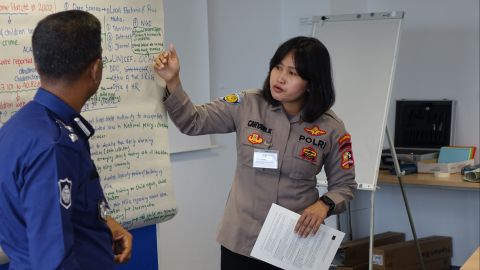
(65, 43)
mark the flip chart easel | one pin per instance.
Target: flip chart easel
(363, 50)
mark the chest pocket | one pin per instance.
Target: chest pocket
(307, 161)
(251, 139)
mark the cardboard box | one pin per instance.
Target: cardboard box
(431, 166)
(400, 256)
(439, 264)
(356, 252)
(363, 266)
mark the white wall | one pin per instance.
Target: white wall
(242, 36)
(438, 58)
(186, 27)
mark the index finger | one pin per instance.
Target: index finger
(172, 50)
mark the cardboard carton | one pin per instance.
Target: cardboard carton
(363, 266)
(356, 252)
(439, 264)
(400, 256)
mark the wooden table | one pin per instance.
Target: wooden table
(455, 180)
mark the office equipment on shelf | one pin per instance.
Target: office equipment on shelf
(405, 169)
(449, 154)
(421, 128)
(472, 174)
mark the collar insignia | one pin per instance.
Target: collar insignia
(73, 137)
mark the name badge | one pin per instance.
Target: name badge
(267, 159)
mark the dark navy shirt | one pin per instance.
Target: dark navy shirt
(50, 191)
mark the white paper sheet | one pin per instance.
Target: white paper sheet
(279, 245)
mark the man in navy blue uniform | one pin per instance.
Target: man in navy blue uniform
(53, 213)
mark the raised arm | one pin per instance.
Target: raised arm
(167, 66)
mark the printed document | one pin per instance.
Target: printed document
(279, 245)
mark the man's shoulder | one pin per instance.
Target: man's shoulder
(32, 129)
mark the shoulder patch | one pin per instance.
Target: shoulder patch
(347, 160)
(344, 139)
(65, 189)
(232, 98)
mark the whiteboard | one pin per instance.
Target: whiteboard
(363, 49)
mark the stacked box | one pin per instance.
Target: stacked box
(355, 253)
(363, 266)
(436, 253)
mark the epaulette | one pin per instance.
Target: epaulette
(68, 129)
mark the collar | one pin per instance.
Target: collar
(294, 120)
(63, 111)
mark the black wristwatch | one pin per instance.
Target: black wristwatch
(331, 205)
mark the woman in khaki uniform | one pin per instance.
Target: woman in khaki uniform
(286, 133)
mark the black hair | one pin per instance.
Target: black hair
(65, 43)
(312, 63)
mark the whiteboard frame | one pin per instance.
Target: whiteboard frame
(316, 23)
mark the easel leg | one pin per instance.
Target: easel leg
(372, 222)
(400, 182)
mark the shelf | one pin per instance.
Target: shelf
(427, 179)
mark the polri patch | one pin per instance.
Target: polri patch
(315, 131)
(232, 98)
(254, 138)
(65, 189)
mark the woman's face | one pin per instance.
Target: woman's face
(287, 86)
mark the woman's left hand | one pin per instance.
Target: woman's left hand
(311, 219)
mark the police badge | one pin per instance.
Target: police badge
(65, 188)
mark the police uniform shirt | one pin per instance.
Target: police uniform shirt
(303, 149)
(50, 190)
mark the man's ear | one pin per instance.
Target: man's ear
(96, 70)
